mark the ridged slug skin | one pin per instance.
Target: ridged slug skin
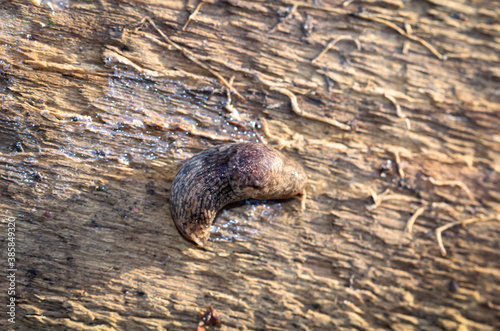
(226, 174)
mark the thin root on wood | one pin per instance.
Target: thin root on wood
(296, 109)
(191, 130)
(265, 128)
(445, 227)
(413, 218)
(393, 26)
(229, 106)
(398, 109)
(375, 198)
(396, 105)
(399, 166)
(190, 56)
(333, 42)
(452, 183)
(193, 14)
(446, 207)
(385, 196)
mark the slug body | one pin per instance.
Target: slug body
(226, 174)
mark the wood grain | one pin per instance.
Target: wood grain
(98, 113)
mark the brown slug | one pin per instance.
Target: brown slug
(226, 174)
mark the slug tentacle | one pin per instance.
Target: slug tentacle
(226, 174)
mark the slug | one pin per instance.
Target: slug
(226, 174)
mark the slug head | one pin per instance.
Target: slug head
(259, 172)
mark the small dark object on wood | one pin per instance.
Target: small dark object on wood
(18, 147)
(210, 318)
(453, 285)
(385, 169)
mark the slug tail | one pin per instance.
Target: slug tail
(199, 190)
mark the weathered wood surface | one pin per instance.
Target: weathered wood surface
(97, 117)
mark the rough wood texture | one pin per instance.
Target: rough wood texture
(98, 116)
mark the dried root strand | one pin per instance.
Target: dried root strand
(399, 166)
(453, 183)
(191, 130)
(386, 196)
(193, 14)
(413, 218)
(296, 109)
(402, 32)
(446, 207)
(333, 42)
(399, 112)
(445, 227)
(190, 56)
(265, 128)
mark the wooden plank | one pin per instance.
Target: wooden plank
(99, 112)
